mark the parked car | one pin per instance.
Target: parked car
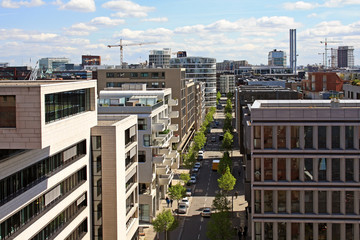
(197, 165)
(195, 170)
(200, 157)
(217, 123)
(213, 139)
(206, 212)
(201, 152)
(182, 208)
(188, 192)
(192, 179)
(186, 201)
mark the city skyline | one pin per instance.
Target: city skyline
(226, 30)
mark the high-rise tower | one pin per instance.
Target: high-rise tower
(293, 50)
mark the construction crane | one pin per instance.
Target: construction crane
(326, 42)
(121, 45)
(34, 72)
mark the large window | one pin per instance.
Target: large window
(295, 169)
(322, 229)
(295, 137)
(268, 230)
(322, 168)
(281, 140)
(295, 231)
(321, 137)
(268, 201)
(65, 104)
(349, 169)
(257, 137)
(281, 171)
(308, 170)
(7, 111)
(281, 201)
(268, 137)
(335, 169)
(349, 137)
(308, 137)
(322, 200)
(349, 199)
(282, 231)
(257, 203)
(295, 201)
(268, 169)
(257, 169)
(336, 202)
(335, 137)
(309, 202)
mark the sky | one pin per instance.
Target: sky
(222, 29)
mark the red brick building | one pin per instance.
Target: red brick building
(322, 81)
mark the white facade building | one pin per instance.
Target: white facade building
(160, 58)
(227, 83)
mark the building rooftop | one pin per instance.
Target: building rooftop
(19, 83)
(306, 104)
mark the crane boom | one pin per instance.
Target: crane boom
(326, 42)
(121, 46)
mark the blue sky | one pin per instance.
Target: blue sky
(226, 29)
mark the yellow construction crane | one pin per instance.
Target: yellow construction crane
(121, 45)
(326, 42)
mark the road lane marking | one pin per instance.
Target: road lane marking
(199, 236)
(200, 227)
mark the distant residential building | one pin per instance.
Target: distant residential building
(263, 70)
(45, 159)
(226, 84)
(160, 58)
(90, 60)
(277, 58)
(73, 74)
(319, 82)
(153, 108)
(345, 57)
(305, 169)
(115, 179)
(15, 73)
(351, 91)
(230, 65)
(180, 54)
(52, 64)
(200, 69)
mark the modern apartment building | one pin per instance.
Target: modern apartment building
(183, 92)
(44, 159)
(319, 82)
(305, 169)
(226, 84)
(345, 57)
(52, 64)
(277, 58)
(200, 69)
(115, 188)
(160, 58)
(156, 156)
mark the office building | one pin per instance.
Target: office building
(293, 54)
(45, 155)
(156, 157)
(277, 58)
(200, 69)
(115, 198)
(345, 57)
(15, 73)
(183, 92)
(52, 64)
(230, 65)
(305, 169)
(160, 58)
(90, 60)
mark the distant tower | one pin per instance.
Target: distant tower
(346, 56)
(293, 50)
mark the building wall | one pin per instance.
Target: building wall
(351, 91)
(322, 81)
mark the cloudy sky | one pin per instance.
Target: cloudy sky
(224, 29)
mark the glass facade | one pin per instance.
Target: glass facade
(79, 232)
(21, 181)
(7, 111)
(64, 104)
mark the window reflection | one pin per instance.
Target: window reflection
(268, 169)
(281, 169)
(257, 169)
(322, 167)
(268, 132)
(321, 137)
(308, 171)
(281, 201)
(281, 140)
(308, 137)
(295, 137)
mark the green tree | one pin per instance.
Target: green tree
(227, 141)
(227, 181)
(228, 122)
(185, 177)
(228, 107)
(165, 222)
(189, 159)
(229, 95)
(218, 96)
(224, 162)
(177, 192)
(220, 227)
(199, 141)
(221, 203)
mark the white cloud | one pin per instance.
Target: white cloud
(300, 5)
(78, 5)
(17, 4)
(331, 28)
(79, 29)
(106, 21)
(312, 15)
(127, 8)
(157, 34)
(26, 36)
(159, 19)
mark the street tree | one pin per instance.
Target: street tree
(221, 203)
(177, 192)
(228, 107)
(165, 222)
(227, 181)
(228, 122)
(220, 227)
(229, 95)
(225, 162)
(199, 141)
(218, 96)
(185, 177)
(189, 159)
(227, 141)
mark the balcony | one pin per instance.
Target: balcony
(175, 155)
(173, 102)
(165, 179)
(159, 159)
(175, 139)
(173, 127)
(158, 127)
(174, 114)
(162, 140)
(165, 121)
(161, 169)
(168, 161)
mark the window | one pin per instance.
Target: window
(142, 124)
(282, 231)
(144, 74)
(155, 75)
(146, 140)
(295, 137)
(349, 231)
(309, 232)
(335, 230)
(309, 202)
(295, 201)
(7, 111)
(295, 169)
(308, 137)
(335, 137)
(141, 156)
(322, 200)
(268, 201)
(295, 231)
(322, 167)
(321, 137)
(335, 169)
(281, 140)
(322, 229)
(349, 137)
(308, 170)
(268, 132)
(257, 194)
(268, 230)
(134, 75)
(257, 169)
(281, 201)
(336, 202)
(257, 230)
(349, 199)
(281, 169)
(268, 169)
(349, 169)
(257, 137)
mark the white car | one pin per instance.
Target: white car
(185, 200)
(192, 180)
(182, 208)
(197, 165)
(188, 192)
(201, 153)
(195, 170)
(206, 212)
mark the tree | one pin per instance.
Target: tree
(229, 95)
(165, 222)
(228, 122)
(177, 192)
(185, 177)
(190, 159)
(199, 141)
(228, 107)
(227, 181)
(220, 227)
(221, 203)
(227, 141)
(218, 96)
(224, 162)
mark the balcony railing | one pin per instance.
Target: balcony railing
(175, 139)
(173, 127)
(159, 159)
(165, 179)
(158, 127)
(173, 102)
(174, 114)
